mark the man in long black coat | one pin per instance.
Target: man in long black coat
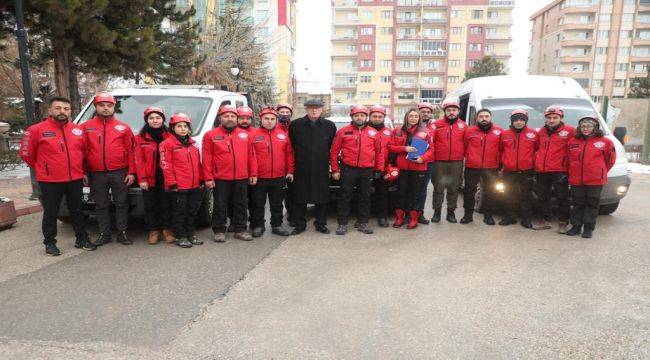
(311, 137)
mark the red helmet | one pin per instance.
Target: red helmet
(554, 109)
(153, 109)
(103, 97)
(244, 111)
(392, 173)
(425, 105)
(356, 109)
(450, 103)
(227, 109)
(377, 108)
(283, 105)
(519, 114)
(179, 117)
(268, 110)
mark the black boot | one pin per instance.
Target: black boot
(507, 220)
(451, 216)
(588, 231)
(51, 249)
(122, 239)
(322, 229)
(422, 220)
(382, 222)
(488, 219)
(525, 222)
(82, 242)
(437, 213)
(575, 230)
(102, 239)
(258, 231)
(279, 230)
(468, 217)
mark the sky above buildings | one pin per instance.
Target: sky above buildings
(313, 62)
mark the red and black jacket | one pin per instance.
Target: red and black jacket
(449, 139)
(273, 152)
(110, 145)
(482, 147)
(590, 159)
(518, 149)
(55, 151)
(228, 155)
(401, 139)
(180, 164)
(359, 147)
(147, 157)
(552, 155)
(385, 137)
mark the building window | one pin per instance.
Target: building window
(597, 83)
(366, 63)
(599, 67)
(454, 63)
(489, 48)
(454, 47)
(475, 30)
(474, 47)
(601, 50)
(407, 64)
(386, 47)
(406, 96)
(493, 14)
(384, 95)
(385, 79)
(456, 13)
(386, 30)
(365, 79)
(456, 30)
(619, 83)
(366, 94)
(477, 14)
(621, 67)
(603, 34)
(386, 63)
(453, 79)
(556, 53)
(366, 15)
(623, 51)
(625, 34)
(366, 47)
(350, 95)
(431, 95)
(605, 18)
(387, 14)
(366, 31)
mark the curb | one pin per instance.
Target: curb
(28, 208)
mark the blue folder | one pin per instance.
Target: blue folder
(421, 145)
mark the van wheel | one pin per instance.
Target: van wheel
(608, 208)
(204, 216)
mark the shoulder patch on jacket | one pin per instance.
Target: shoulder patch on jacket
(243, 135)
(530, 135)
(77, 132)
(599, 144)
(120, 127)
(563, 133)
(496, 132)
(387, 132)
(422, 134)
(281, 136)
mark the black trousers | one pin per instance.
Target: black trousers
(409, 191)
(362, 179)
(300, 213)
(427, 178)
(487, 179)
(288, 201)
(100, 184)
(447, 175)
(380, 197)
(186, 206)
(519, 188)
(249, 206)
(586, 203)
(546, 183)
(274, 190)
(51, 196)
(225, 191)
(158, 208)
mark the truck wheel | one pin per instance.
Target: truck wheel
(608, 208)
(204, 216)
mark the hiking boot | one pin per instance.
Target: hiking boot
(508, 220)
(103, 239)
(575, 230)
(382, 222)
(298, 230)
(468, 217)
(195, 240)
(541, 225)
(451, 216)
(422, 220)
(154, 237)
(83, 242)
(588, 231)
(258, 231)
(562, 227)
(488, 219)
(168, 236)
(341, 230)
(525, 222)
(364, 228)
(322, 229)
(219, 237)
(437, 213)
(279, 230)
(51, 249)
(183, 242)
(245, 236)
(122, 239)
(399, 218)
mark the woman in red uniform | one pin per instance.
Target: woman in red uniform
(591, 156)
(412, 172)
(181, 164)
(157, 202)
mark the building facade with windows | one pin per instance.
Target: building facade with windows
(602, 44)
(400, 52)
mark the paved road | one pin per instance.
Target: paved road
(436, 292)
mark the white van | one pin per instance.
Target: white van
(200, 102)
(502, 94)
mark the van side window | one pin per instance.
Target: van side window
(239, 103)
(472, 115)
(464, 102)
(225, 102)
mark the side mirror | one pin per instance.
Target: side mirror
(620, 133)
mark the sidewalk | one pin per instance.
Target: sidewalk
(16, 186)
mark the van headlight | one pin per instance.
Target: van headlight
(499, 187)
(621, 190)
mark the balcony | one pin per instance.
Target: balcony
(505, 21)
(498, 37)
(580, 9)
(434, 52)
(408, 37)
(408, 53)
(341, 54)
(402, 20)
(434, 20)
(577, 42)
(501, 3)
(406, 86)
(341, 4)
(575, 58)
(344, 37)
(418, 3)
(578, 26)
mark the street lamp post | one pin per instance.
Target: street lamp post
(235, 70)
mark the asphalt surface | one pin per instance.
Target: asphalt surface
(440, 291)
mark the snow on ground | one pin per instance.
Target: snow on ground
(20, 171)
(638, 168)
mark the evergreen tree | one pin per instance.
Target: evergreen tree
(640, 87)
(488, 66)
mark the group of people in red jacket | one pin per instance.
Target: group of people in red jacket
(244, 165)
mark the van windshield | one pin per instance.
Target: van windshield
(574, 109)
(130, 109)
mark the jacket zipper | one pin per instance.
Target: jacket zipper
(231, 148)
(451, 129)
(67, 152)
(47, 170)
(484, 141)
(582, 164)
(548, 143)
(517, 162)
(104, 146)
(189, 156)
(358, 146)
(271, 151)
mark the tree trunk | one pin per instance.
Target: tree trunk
(61, 69)
(75, 98)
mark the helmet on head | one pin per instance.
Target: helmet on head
(244, 111)
(103, 97)
(519, 114)
(590, 118)
(227, 109)
(425, 105)
(285, 106)
(153, 109)
(450, 103)
(358, 109)
(178, 118)
(268, 110)
(554, 109)
(377, 108)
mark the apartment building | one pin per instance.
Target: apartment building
(399, 52)
(602, 44)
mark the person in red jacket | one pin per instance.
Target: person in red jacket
(285, 112)
(275, 166)
(180, 161)
(551, 165)
(244, 122)
(229, 166)
(518, 146)
(426, 113)
(111, 166)
(380, 195)
(482, 160)
(157, 202)
(359, 147)
(448, 168)
(591, 156)
(54, 149)
(412, 170)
